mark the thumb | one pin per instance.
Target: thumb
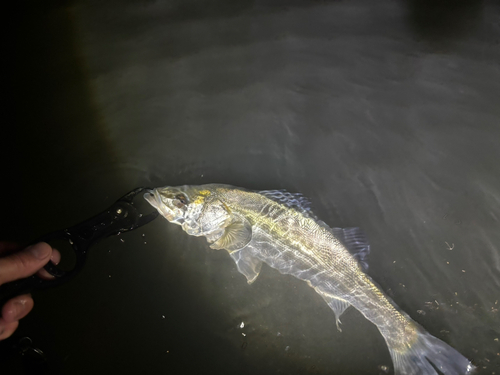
(24, 263)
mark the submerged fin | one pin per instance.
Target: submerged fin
(355, 241)
(295, 201)
(236, 236)
(353, 238)
(337, 305)
(247, 264)
(428, 349)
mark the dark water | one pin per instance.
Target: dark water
(384, 113)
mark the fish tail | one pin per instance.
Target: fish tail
(427, 350)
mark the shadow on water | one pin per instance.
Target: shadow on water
(440, 21)
(58, 138)
(57, 164)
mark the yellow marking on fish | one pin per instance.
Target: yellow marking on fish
(295, 243)
(201, 196)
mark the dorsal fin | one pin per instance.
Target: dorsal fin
(354, 240)
(295, 201)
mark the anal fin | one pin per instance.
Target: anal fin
(337, 305)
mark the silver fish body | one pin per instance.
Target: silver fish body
(278, 228)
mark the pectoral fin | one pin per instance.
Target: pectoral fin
(337, 305)
(247, 264)
(236, 236)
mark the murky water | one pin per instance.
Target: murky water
(386, 115)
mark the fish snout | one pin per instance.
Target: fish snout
(153, 198)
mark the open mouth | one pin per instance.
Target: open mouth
(153, 198)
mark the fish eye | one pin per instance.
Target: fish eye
(181, 200)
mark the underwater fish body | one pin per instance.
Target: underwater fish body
(278, 228)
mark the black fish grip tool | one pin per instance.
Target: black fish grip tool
(122, 216)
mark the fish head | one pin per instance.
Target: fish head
(197, 209)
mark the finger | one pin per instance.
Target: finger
(17, 308)
(55, 258)
(7, 329)
(7, 246)
(24, 263)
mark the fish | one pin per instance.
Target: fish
(279, 229)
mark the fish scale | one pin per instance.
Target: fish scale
(278, 228)
(335, 275)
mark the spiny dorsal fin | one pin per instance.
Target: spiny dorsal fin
(236, 236)
(354, 240)
(295, 201)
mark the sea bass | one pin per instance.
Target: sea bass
(278, 228)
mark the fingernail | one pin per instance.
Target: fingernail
(19, 307)
(39, 251)
(56, 262)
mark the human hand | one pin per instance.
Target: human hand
(18, 265)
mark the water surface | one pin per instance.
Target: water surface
(385, 115)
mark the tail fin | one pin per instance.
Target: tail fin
(426, 350)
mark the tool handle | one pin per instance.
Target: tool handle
(122, 216)
(29, 284)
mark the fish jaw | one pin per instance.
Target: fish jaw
(164, 206)
(153, 198)
(198, 216)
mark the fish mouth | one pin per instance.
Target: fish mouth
(154, 199)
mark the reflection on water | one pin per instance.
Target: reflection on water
(352, 104)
